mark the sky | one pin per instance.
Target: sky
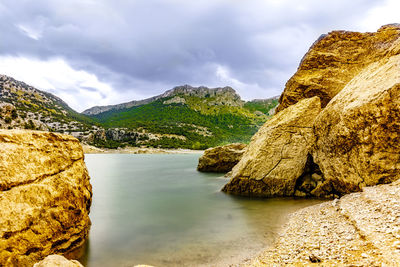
(102, 52)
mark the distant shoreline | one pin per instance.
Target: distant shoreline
(88, 149)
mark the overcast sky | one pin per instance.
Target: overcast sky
(99, 52)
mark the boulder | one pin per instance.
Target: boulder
(57, 261)
(221, 158)
(45, 196)
(358, 133)
(333, 60)
(278, 154)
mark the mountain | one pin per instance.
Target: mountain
(189, 117)
(23, 106)
(185, 116)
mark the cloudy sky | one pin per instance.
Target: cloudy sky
(99, 52)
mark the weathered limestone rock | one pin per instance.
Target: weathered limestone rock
(45, 196)
(359, 229)
(221, 158)
(57, 261)
(333, 60)
(358, 133)
(277, 154)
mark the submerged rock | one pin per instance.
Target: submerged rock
(278, 153)
(333, 60)
(57, 261)
(221, 158)
(45, 196)
(358, 133)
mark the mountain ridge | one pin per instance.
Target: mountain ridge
(183, 89)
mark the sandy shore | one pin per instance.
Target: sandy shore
(88, 149)
(359, 229)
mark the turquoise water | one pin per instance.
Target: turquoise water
(158, 210)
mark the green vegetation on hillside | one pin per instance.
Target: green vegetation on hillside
(178, 119)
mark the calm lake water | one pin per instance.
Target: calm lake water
(158, 210)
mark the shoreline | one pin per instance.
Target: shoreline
(88, 149)
(358, 229)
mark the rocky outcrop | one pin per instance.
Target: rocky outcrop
(45, 196)
(57, 261)
(278, 154)
(358, 133)
(359, 229)
(221, 158)
(333, 60)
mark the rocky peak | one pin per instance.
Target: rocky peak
(224, 95)
(334, 59)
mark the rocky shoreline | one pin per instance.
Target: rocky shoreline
(359, 229)
(88, 149)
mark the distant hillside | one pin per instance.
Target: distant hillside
(194, 117)
(23, 106)
(185, 116)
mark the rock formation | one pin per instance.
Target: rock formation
(358, 133)
(221, 158)
(359, 229)
(45, 196)
(333, 60)
(57, 261)
(277, 155)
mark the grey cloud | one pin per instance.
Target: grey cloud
(149, 46)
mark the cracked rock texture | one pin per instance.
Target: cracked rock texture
(358, 133)
(333, 60)
(277, 154)
(57, 261)
(221, 158)
(45, 196)
(359, 229)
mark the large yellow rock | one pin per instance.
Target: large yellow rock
(358, 133)
(334, 59)
(277, 154)
(45, 196)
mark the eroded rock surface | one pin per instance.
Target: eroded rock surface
(358, 133)
(277, 154)
(221, 158)
(45, 196)
(333, 60)
(360, 229)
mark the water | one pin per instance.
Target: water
(158, 210)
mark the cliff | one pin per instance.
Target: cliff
(352, 143)
(334, 59)
(45, 196)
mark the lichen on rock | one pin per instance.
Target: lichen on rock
(45, 196)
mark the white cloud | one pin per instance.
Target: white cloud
(386, 13)
(80, 89)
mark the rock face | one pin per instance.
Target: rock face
(45, 196)
(358, 133)
(57, 261)
(359, 229)
(222, 158)
(333, 60)
(277, 156)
